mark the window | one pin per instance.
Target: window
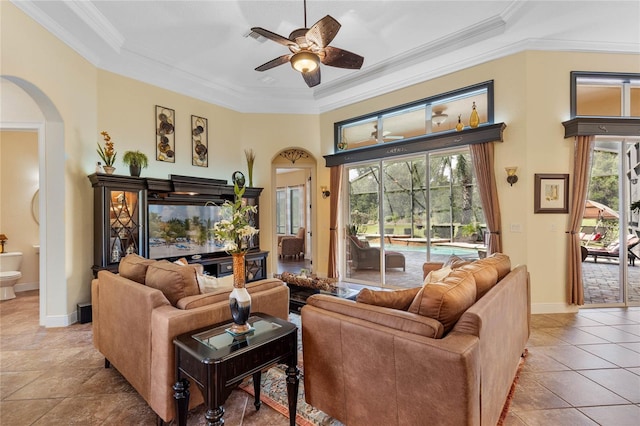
(296, 209)
(605, 94)
(416, 120)
(281, 211)
(289, 209)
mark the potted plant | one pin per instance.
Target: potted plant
(107, 154)
(136, 161)
(472, 232)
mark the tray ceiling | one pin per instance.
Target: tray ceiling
(202, 49)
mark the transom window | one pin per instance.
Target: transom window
(605, 94)
(417, 119)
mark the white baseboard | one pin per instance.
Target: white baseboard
(53, 320)
(61, 320)
(26, 287)
(553, 308)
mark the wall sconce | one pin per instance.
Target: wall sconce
(325, 192)
(511, 174)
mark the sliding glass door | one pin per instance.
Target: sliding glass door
(403, 212)
(610, 234)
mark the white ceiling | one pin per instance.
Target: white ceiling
(200, 48)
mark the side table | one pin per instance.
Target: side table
(218, 361)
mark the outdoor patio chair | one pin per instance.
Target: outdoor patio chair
(292, 245)
(365, 257)
(613, 250)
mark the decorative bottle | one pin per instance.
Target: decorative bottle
(459, 126)
(115, 253)
(474, 120)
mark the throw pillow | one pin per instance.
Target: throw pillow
(500, 261)
(396, 299)
(446, 301)
(226, 281)
(134, 267)
(437, 275)
(210, 284)
(207, 283)
(486, 276)
(173, 280)
(455, 262)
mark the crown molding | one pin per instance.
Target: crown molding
(95, 20)
(466, 37)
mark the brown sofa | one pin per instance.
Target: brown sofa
(134, 324)
(430, 360)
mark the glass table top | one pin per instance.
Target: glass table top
(218, 338)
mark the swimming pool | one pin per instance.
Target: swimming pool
(435, 250)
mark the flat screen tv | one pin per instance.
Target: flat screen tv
(183, 230)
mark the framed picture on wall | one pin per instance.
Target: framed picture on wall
(551, 193)
(199, 141)
(165, 134)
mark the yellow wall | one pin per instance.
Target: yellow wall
(531, 97)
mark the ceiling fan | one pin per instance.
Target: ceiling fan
(309, 47)
(386, 135)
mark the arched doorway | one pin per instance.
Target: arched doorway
(294, 192)
(50, 129)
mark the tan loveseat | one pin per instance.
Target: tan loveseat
(134, 324)
(445, 363)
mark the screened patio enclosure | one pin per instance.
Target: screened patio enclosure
(405, 211)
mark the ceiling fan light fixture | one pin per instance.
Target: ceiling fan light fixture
(439, 118)
(305, 61)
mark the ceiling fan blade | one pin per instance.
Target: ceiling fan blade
(335, 57)
(274, 63)
(312, 78)
(322, 32)
(273, 36)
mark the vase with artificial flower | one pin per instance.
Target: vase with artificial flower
(251, 158)
(235, 232)
(107, 154)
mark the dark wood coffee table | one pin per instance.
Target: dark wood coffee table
(218, 361)
(298, 295)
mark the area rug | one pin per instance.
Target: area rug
(512, 391)
(273, 391)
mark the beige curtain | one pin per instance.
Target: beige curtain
(583, 148)
(335, 183)
(482, 154)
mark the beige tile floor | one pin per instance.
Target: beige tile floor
(582, 369)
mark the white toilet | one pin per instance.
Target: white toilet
(9, 273)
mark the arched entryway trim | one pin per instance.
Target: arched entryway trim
(53, 283)
(294, 158)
